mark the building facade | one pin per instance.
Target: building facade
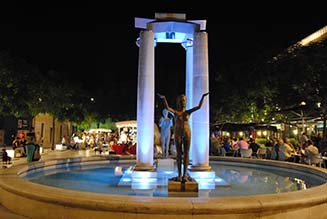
(49, 131)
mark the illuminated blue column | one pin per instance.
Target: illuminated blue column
(200, 119)
(189, 83)
(145, 102)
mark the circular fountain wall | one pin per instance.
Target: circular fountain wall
(40, 201)
(225, 179)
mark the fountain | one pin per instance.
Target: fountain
(40, 201)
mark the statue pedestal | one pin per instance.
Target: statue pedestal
(176, 186)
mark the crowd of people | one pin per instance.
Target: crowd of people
(101, 142)
(303, 150)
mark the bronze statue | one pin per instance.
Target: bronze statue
(182, 133)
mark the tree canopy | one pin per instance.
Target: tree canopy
(270, 86)
(25, 92)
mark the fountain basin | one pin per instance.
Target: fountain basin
(40, 201)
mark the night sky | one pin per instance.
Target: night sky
(94, 44)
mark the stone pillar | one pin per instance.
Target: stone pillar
(200, 118)
(189, 84)
(145, 102)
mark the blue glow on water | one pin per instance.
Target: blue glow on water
(241, 181)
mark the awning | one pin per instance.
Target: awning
(128, 123)
(99, 130)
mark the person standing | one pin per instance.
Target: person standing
(32, 149)
(165, 124)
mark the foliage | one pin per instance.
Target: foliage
(302, 77)
(270, 87)
(244, 92)
(17, 84)
(25, 92)
(90, 122)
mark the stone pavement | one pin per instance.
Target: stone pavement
(7, 214)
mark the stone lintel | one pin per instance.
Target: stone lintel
(170, 16)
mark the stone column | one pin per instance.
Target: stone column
(189, 84)
(145, 102)
(200, 118)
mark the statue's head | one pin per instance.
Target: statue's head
(181, 102)
(165, 113)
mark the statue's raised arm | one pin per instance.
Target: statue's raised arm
(166, 103)
(200, 103)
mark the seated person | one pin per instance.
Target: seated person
(241, 144)
(119, 148)
(227, 144)
(22, 143)
(130, 149)
(5, 158)
(18, 148)
(214, 147)
(15, 143)
(262, 152)
(281, 151)
(254, 146)
(285, 151)
(310, 154)
(289, 143)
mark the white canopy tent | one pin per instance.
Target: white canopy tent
(128, 124)
(99, 130)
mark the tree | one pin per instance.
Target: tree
(302, 76)
(17, 84)
(245, 92)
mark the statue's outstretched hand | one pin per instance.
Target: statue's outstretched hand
(205, 94)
